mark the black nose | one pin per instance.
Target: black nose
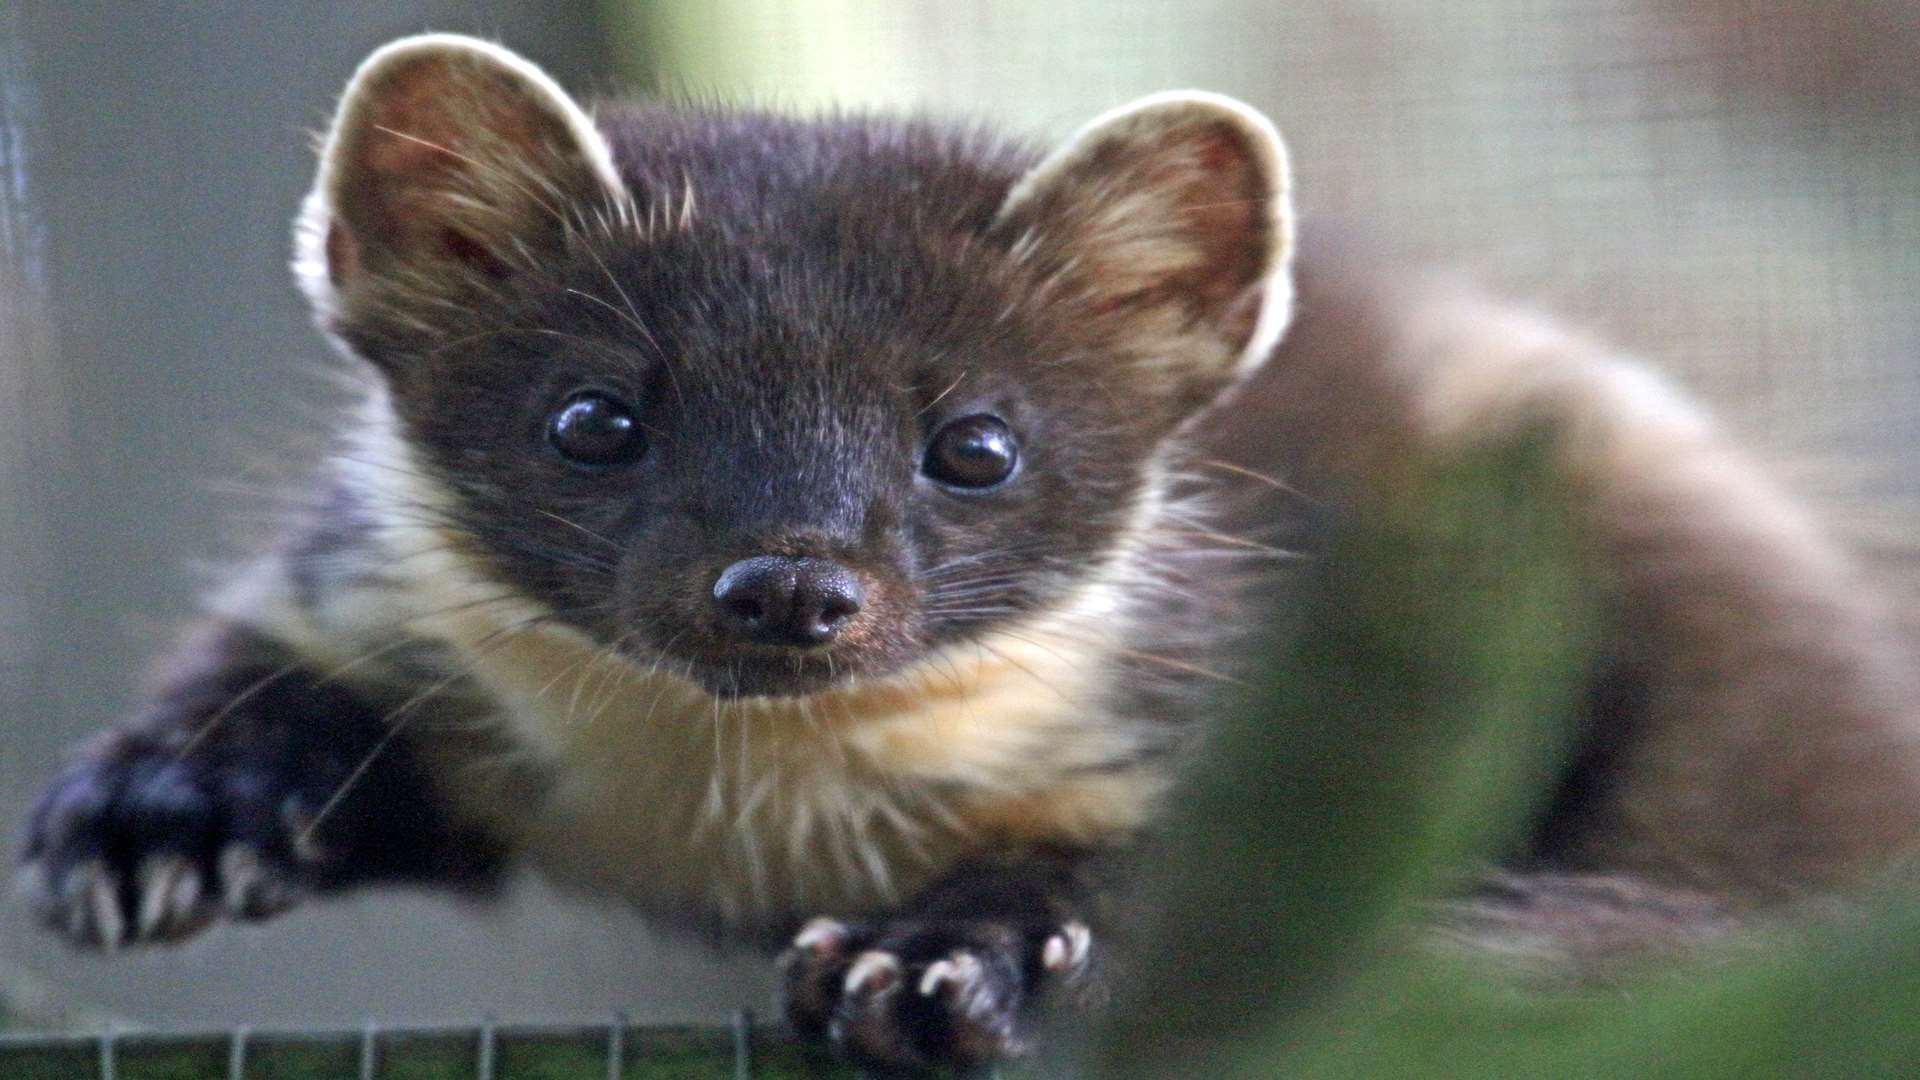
(775, 600)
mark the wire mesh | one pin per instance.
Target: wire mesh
(487, 1050)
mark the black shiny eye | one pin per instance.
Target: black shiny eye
(593, 429)
(972, 452)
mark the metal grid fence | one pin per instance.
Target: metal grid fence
(616, 1050)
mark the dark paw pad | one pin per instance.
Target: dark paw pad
(912, 996)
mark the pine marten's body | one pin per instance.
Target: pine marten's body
(758, 519)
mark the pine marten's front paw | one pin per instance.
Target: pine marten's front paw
(915, 995)
(138, 843)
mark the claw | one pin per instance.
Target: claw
(90, 897)
(169, 895)
(821, 935)
(1066, 951)
(882, 969)
(248, 888)
(961, 969)
(33, 885)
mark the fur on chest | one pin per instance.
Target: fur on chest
(747, 814)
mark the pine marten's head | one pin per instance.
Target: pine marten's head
(776, 403)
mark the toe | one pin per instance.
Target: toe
(172, 898)
(814, 971)
(88, 906)
(867, 1027)
(250, 887)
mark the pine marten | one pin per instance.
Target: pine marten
(808, 531)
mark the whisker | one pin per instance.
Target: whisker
(576, 525)
(941, 396)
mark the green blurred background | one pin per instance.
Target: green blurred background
(1728, 186)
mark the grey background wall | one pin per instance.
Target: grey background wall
(1726, 185)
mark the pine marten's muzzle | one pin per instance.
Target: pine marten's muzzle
(801, 603)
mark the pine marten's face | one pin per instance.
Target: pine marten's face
(775, 404)
(761, 463)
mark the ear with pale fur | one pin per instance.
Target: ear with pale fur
(1169, 221)
(451, 164)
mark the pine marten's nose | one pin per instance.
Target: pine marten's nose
(777, 600)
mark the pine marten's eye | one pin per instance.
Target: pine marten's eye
(972, 452)
(594, 429)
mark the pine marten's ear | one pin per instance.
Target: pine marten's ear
(451, 163)
(1168, 222)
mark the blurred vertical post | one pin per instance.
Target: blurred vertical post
(32, 404)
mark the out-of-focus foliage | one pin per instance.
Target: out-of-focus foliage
(1398, 736)
(1399, 733)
